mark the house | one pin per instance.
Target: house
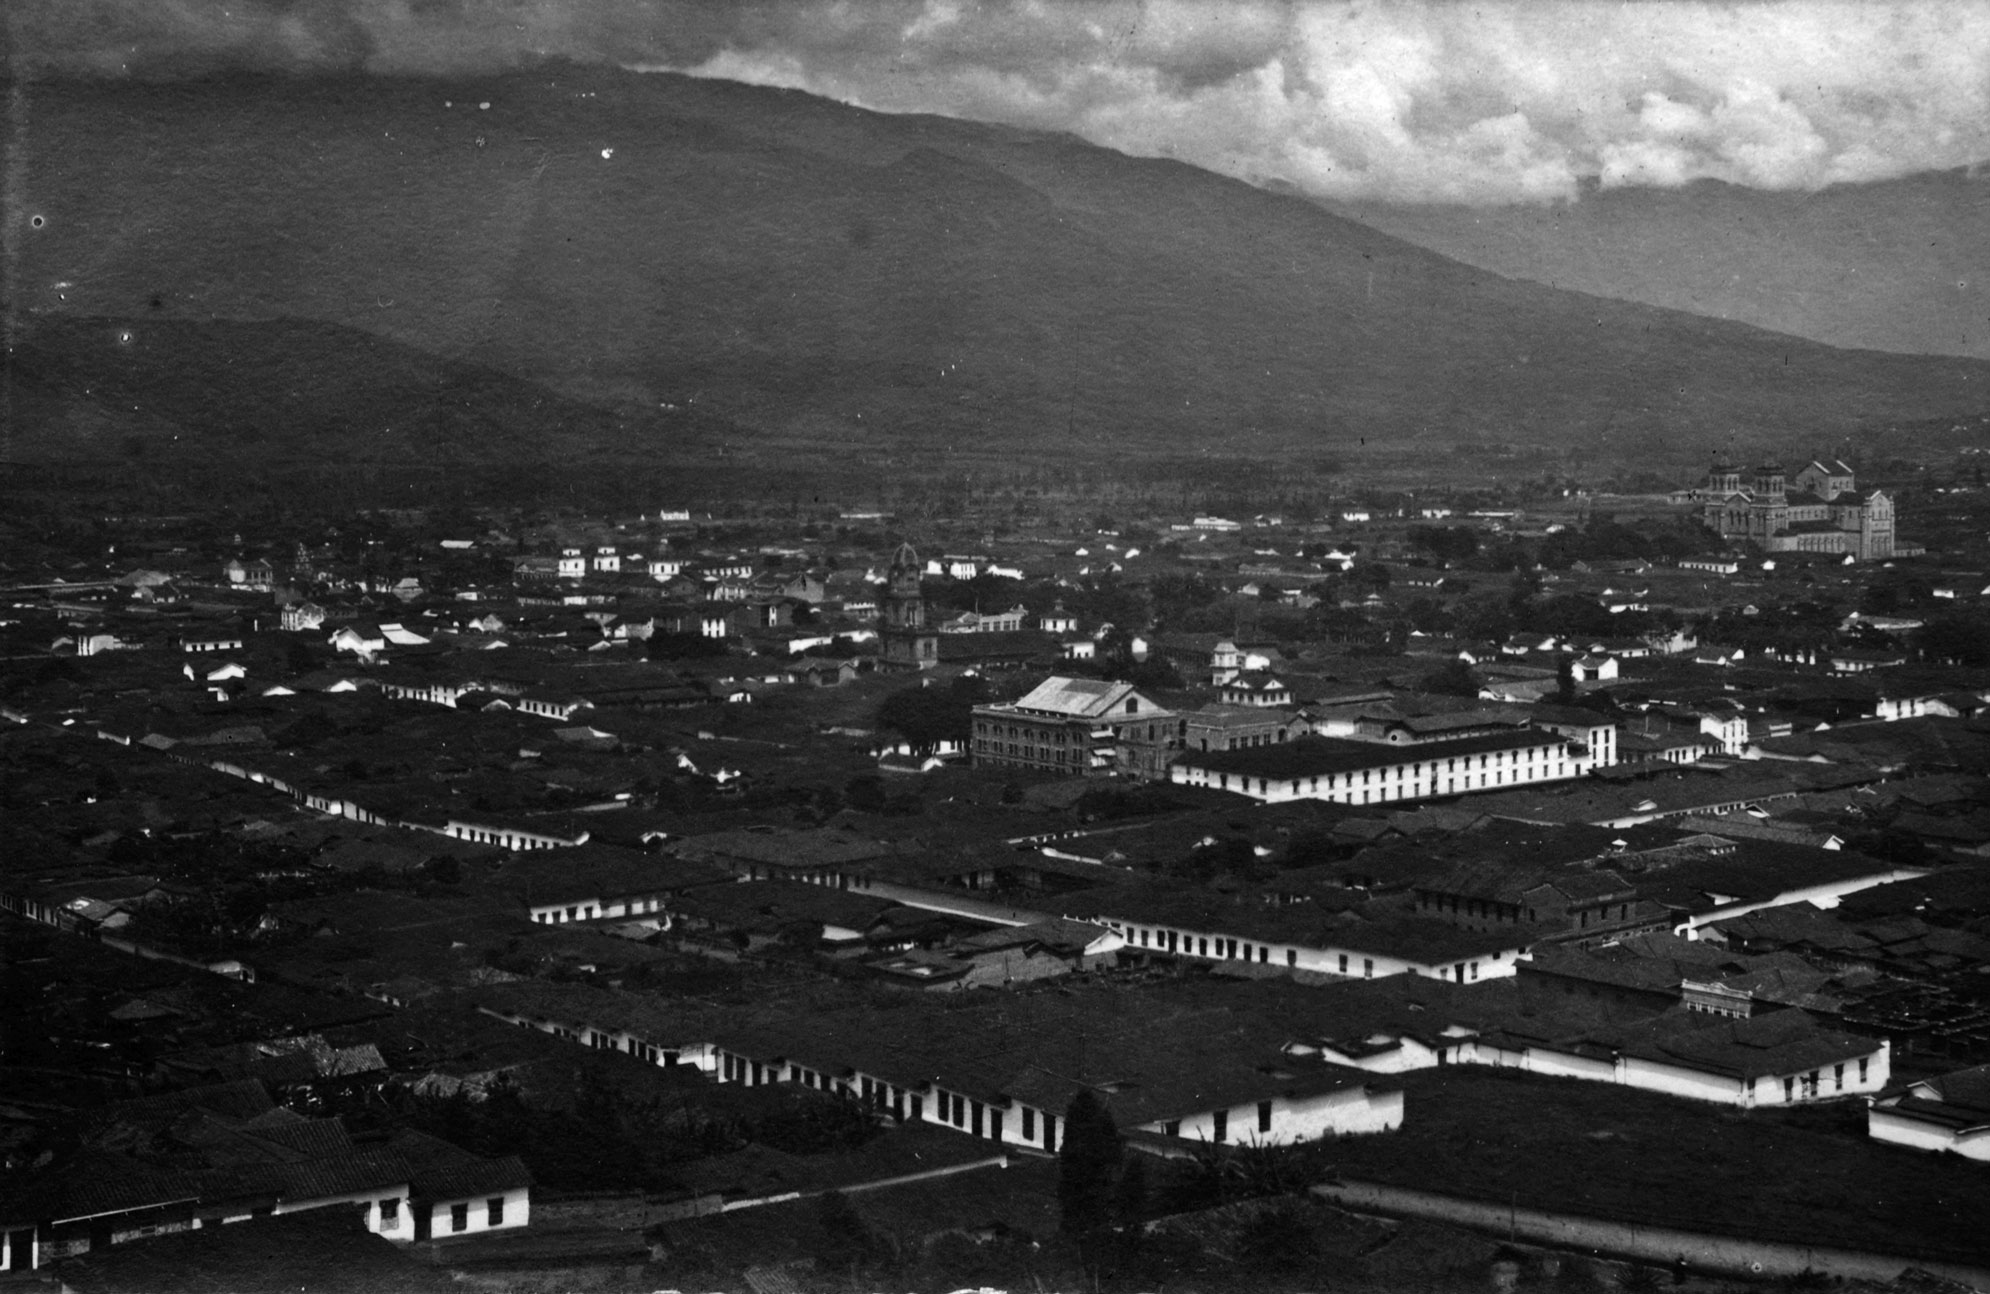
(1238, 727)
(1186, 1067)
(1949, 1113)
(1219, 657)
(1078, 727)
(1366, 772)
(994, 622)
(1254, 688)
(257, 575)
(1781, 1058)
(361, 637)
(593, 882)
(1169, 921)
(1585, 906)
(229, 1154)
(212, 640)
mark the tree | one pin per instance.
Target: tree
(1564, 678)
(844, 1244)
(1957, 637)
(1453, 678)
(927, 716)
(1088, 1166)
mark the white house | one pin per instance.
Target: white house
(1948, 1113)
(1782, 1058)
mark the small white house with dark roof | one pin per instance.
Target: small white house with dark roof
(1949, 1113)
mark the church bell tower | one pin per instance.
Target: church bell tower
(908, 642)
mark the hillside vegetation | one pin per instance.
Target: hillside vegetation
(837, 282)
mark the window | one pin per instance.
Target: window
(1368, 968)
(1219, 1126)
(1838, 1077)
(390, 1213)
(1029, 1124)
(494, 1210)
(1172, 1127)
(1862, 1070)
(1343, 963)
(1264, 1116)
(459, 1217)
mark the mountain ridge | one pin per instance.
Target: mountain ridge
(816, 275)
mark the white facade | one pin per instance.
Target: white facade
(505, 1211)
(1825, 894)
(1279, 1120)
(1414, 774)
(1884, 1123)
(515, 838)
(1287, 1121)
(1926, 1116)
(1853, 1076)
(596, 908)
(1354, 963)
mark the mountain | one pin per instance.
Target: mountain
(1890, 265)
(840, 284)
(158, 387)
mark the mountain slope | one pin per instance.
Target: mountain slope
(845, 283)
(163, 389)
(1893, 265)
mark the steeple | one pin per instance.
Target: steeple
(908, 642)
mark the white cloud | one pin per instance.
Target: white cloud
(1489, 101)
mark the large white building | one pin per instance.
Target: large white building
(1363, 772)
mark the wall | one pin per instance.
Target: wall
(1826, 896)
(1348, 1112)
(1679, 1080)
(1730, 1255)
(403, 1227)
(517, 1213)
(1889, 1125)
(1360, 964)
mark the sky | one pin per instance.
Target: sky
(1410, 101)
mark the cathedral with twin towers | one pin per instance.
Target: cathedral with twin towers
(1819, 510)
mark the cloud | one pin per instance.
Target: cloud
(1514, 101)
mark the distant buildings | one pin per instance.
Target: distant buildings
(1824, 513)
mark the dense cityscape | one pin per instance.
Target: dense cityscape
(701, 900)
(994, 647)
